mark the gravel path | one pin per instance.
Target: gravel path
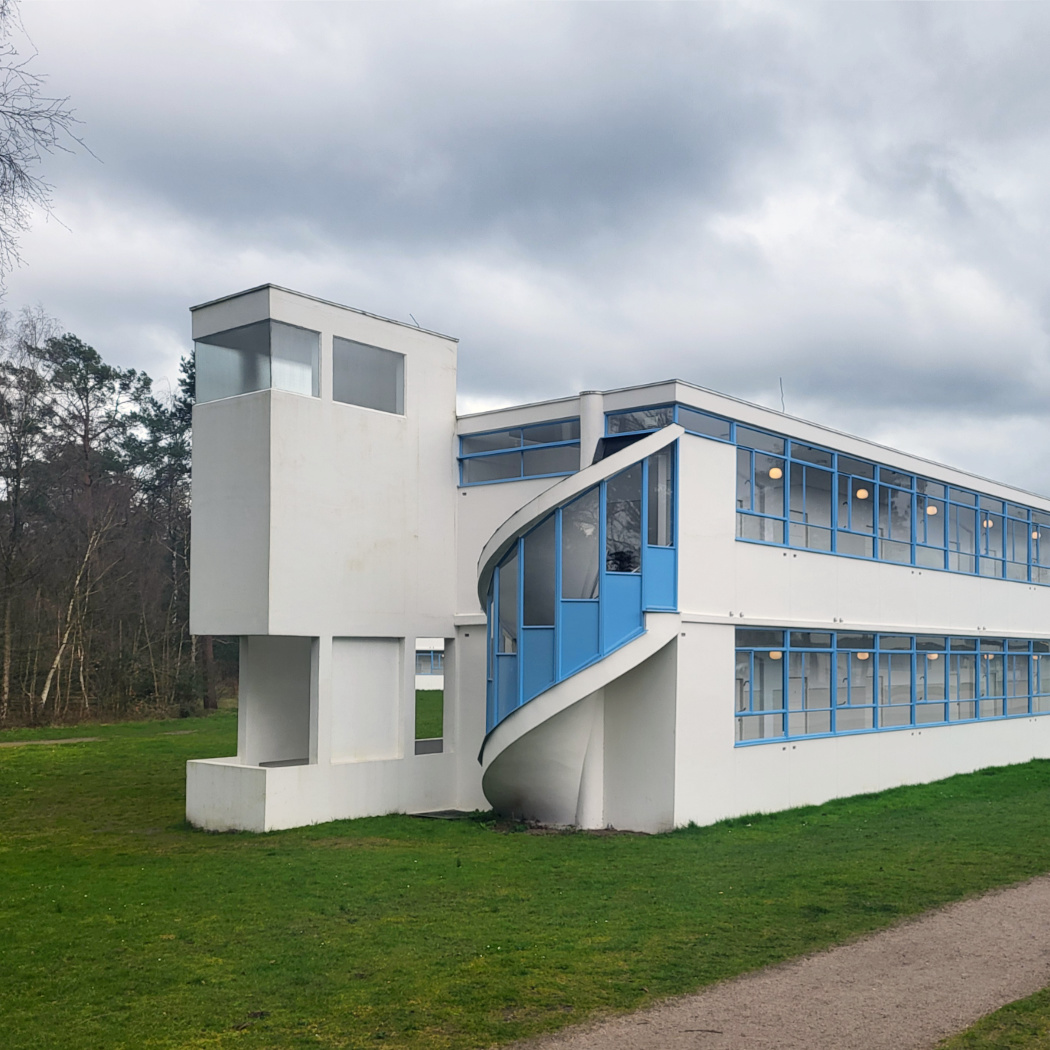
(905, 988)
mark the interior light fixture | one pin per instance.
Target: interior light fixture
(931, 510)
(775, 473)
(775, 655)
(861, 493)
(863, 656)
(1035, 534)
(987, 523)
(932, 656)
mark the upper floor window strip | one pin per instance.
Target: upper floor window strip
(794, 494)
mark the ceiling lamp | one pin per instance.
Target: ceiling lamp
(861, 493)
(931, 510)
(775, 655)
(863, 656)
(1035, 534)
(932, 656)
(988, 523)
(775, 473)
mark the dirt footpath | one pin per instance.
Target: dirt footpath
(903, 989)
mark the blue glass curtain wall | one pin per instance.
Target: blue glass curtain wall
(576, 585)
(793, 494)
(809, 683)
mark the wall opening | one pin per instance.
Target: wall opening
(430, 696)
(274, 704)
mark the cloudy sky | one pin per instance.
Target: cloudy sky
(853, 199)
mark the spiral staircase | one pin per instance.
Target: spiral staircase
(595, 747)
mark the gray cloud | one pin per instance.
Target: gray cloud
(851, 197)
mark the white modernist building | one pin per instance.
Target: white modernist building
(649, 606)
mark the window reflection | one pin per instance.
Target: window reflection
(539, 571)
(259, 356)
(579, 547)
(507, 641)
(623, 521)
(661, 498)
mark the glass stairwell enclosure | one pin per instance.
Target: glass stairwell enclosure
(575, 586)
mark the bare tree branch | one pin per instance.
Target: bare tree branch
(32, 124)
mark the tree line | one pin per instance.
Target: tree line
(94, 536)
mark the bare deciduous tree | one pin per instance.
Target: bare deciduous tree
(32, 124)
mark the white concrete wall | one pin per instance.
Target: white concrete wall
(332, 529)
(725, 584)
(366, 688)
(430, 681)
(482, 509)
(230, 554)
(715, 779)
(748, 583)
(639, 768)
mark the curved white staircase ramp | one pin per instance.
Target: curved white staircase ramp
(544, 760)
(550, 499)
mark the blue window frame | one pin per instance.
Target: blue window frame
(692, 420)
(543, 450)
(576, 585)
(865, 509)
(430, 661)
(792, 684)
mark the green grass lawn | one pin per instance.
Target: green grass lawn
(122, 927)
(1024, 1025)
(430, 708)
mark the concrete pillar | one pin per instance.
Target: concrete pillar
(592, 424)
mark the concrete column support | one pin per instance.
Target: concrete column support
(592, 424)
(321, 701)
(590, 807)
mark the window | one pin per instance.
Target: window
(541, 450)
(641, 419)
(661, 498)
(260, 356)
(576, 586)
(894, 514)
(623, 521)
(704, 424)
(809, 693)
(855, 694)
(760, 495)
(931, 521)
(507, 636)
(368, 376)
(847, 682)
(760, 686)
(579, 547)
(810, 503)
(539, 576)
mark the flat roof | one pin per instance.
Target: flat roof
(326, 302)
(761, 408)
